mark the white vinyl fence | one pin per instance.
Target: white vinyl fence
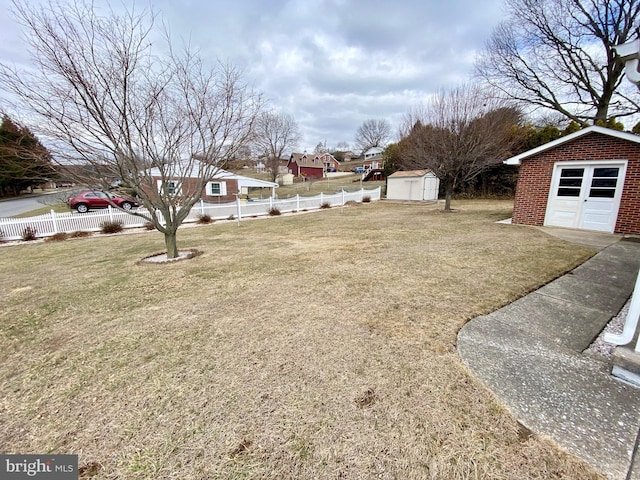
(52, 223)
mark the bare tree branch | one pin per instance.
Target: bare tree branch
(558, 55)
(106, 98)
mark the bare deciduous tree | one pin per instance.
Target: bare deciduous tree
(373, 133)
(458, 134)
(275, 133)
(558, 55)
(109, 98)
(342, 147)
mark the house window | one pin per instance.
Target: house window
(217, 189)
(170, 187)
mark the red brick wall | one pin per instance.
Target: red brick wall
(534, 179)
(188, 186)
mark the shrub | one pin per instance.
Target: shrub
(204, 219)
(366, 199)
(325, 205)
(111, 227)
(149, 226)
(29, 233)
(57, 237)
(274, 211)
(80, 234)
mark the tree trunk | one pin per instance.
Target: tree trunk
(171, 243)
(448, 193)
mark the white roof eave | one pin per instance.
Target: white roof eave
(516, 160)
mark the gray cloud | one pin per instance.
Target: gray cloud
(332, 64)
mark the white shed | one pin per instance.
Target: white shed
(413, 185)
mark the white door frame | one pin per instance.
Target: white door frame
(555, 181)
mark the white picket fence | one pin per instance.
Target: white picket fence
(52, 223)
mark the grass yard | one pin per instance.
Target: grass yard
(315, 346)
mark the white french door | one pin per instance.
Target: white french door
(586, 195)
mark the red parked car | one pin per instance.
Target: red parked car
(87, 199)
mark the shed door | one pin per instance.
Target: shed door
(430, 191)
(586, 196)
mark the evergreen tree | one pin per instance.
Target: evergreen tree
(24, 162)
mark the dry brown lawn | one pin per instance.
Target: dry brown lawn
(315, 346)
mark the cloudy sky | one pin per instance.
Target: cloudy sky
(332, 64)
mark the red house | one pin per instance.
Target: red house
(587, 180)
(312, 164)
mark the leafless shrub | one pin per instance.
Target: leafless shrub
(58, 237)
(204, 219)
(29, 233)
(111, 227)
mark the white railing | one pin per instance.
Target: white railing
(52, 223)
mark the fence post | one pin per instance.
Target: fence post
(361, 194)
(297, 202)
(379, 192)
(238, 208)
(55, 223)
(110, 213)
(321, 199)
(201, 207)
(343, 196)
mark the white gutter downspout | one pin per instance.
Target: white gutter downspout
(630, 54)
(632, 320)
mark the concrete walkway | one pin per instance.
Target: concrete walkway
(529, 354)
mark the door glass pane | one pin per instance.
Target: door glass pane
(570, 182)
(572, 172)
(611, 172)
(604, 182)
(602, 192)
(568, 192)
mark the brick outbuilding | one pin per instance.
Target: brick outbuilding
(588, 180)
